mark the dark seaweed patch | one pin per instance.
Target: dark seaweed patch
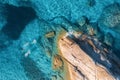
(31, 70)
(17, 19)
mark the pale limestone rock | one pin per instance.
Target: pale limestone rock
(80, 65)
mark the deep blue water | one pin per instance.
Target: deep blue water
(23, 24)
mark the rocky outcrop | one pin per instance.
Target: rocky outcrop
(81, 65)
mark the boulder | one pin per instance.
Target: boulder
(50, 34)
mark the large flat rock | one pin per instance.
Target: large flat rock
(81, 66)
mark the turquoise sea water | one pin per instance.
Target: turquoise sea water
(23, 24)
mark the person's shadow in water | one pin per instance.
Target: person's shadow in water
(17, 19)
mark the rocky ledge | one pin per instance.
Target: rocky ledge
(86, 60)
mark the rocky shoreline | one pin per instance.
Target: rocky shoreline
(86, 60)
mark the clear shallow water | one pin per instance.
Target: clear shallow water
(22, 32)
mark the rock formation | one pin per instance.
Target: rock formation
(81, 66)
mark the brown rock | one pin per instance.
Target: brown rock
(57, 62)
(50, 34)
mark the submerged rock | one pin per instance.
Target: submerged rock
(50, 34)
(90, 30)
(110, 17)
(17, 19)
(57, 62)
(108, 39)
(109, 22)
(91, 3)
(82, 21)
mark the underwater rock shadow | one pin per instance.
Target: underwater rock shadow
(17, 19)
(109, 22)
(31, 70)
